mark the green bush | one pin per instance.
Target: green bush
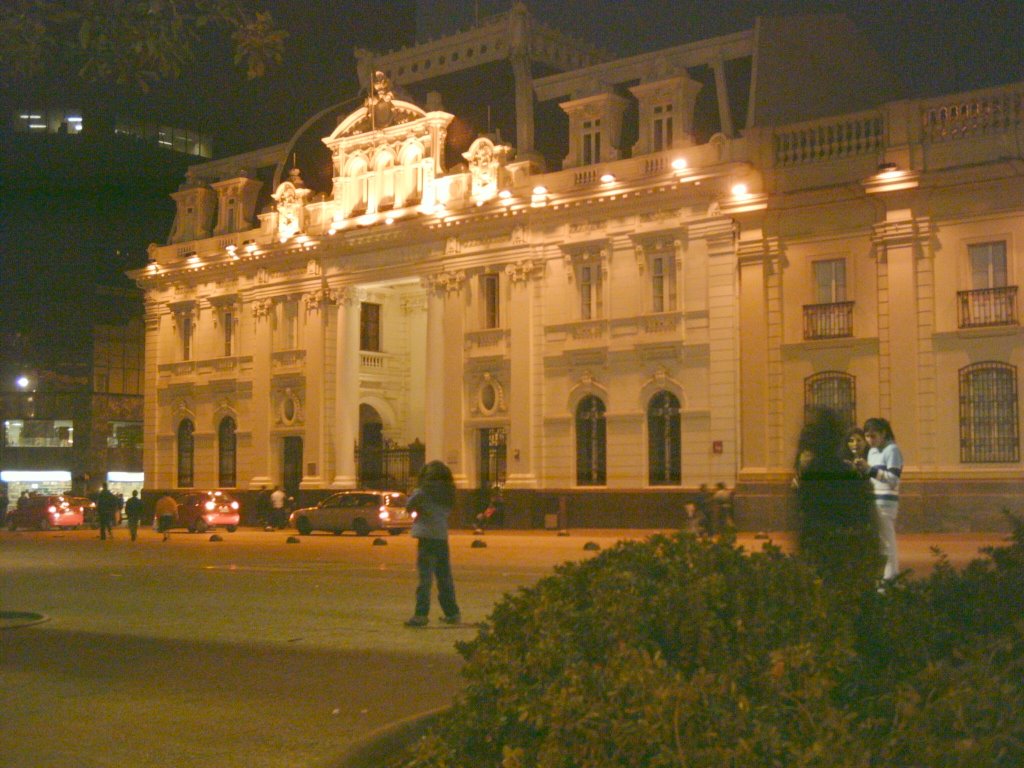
(683, 652)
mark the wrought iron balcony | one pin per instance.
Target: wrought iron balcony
(987, 307)
(828, 321)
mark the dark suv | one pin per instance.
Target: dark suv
(358, 511)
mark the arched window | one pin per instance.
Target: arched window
(226, 453)
(186, 453)
(663, 440)
(590, 442)
(989, 413)
(834, 390)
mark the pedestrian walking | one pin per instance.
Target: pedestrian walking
(432, 501)
(106, 508)
(165, 513)
(133, 511)
(884, 466)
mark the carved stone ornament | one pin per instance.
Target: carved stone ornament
(524, 270)
(318, 299)
(446, 282)
(483, 168)
(490, 396)
(262, 308)
(289, 408)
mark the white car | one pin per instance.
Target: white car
(357, 511)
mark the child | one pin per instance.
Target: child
(884, 465)
(432, 502)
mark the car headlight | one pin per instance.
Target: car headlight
(383, 514)
(234, 505)
(210, 506)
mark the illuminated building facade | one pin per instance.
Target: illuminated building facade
(681, 252)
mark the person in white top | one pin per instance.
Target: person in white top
(884, 466)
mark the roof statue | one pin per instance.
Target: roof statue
(291, 200)
(378, 102)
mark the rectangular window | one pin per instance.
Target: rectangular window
(491, 300)
(830, 281)
(228, 320)
(369, 327)
(663, 283)
(590, 291)
(125, 434)
(186, 336)
(39, 433)
(287, 336)
(591, 142)
(988, 265)
(662, 127)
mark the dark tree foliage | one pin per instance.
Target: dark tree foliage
(686, 652)
(130, 42)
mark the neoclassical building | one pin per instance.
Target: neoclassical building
(678, 255)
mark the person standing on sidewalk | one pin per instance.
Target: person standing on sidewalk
(165, 513)
(133, 511)
(106, 508)
(884, 466)
(432, 501)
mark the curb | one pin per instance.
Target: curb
(18, 619)
(373, 750)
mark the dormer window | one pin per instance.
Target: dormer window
(661, 127)
(591, 142)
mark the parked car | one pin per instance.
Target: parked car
(200, 511)
(46, 512)
(358, 511)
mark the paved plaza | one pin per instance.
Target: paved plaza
(250, 652)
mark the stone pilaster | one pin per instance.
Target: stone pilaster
(525, 383)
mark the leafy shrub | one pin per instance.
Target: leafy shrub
(682, 652)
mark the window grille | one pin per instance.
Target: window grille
(989, 429)
(590, 442)
(834, 390)
(664, 440)
(186, 453)
(226, 453)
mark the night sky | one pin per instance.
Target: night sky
(935, 47)
(48, 258)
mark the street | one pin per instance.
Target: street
(248, 652)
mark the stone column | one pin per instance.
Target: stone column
(444, 384)
(314, 454)
(262, 407)
(346, 401)
(522, 454)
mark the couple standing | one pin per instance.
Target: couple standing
(843, 517)
(875, 455)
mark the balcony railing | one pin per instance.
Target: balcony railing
(987, 307)
(828, 321)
